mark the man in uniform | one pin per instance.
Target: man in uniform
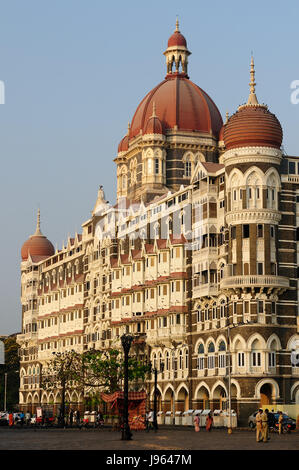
(280, 420)
(258, 420)
(265, 426)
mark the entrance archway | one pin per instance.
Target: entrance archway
(168, 399)
(183, 399)
(266, 394)
(219, 398)
(203, 399)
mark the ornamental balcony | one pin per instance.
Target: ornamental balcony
(205, 290)
(255, 281)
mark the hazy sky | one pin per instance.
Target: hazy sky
(75, 71)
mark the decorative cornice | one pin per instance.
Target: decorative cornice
(251, 154)
(265, 216)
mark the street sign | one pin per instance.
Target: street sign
(2, 354)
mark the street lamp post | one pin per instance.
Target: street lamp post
(126, 341)
(229, 428)
(156, 393)
(5, 387)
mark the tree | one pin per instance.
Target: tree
(106, 370)
(59, 374)
(11, 368)
(92, 370)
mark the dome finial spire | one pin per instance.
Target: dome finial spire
(154, 109)
(252, 99)
(37, 231)
(177, 24)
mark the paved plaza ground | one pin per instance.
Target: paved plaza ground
(180, 439)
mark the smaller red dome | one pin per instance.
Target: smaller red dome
(253, 125)
(124, 144)
(177, 39)
(153, 126)
(37, 245)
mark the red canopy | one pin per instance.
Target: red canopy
(136, 406)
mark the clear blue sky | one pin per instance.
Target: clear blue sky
(74, 73)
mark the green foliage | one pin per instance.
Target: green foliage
(107, 369)
(11, 367)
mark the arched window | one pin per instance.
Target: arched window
(211, 356)
(214, 311)
(201, 357)
(181, 360)
(256, 357)
(222, 355)
(167, 362)
(222, 308)
(188, 168)
(186, 358)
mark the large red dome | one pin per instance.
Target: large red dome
(181, 105)
(37, 245)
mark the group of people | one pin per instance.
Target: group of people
(264, 421)
(209, 422)
(19, 418)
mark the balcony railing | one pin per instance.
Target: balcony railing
(205, 289)
(254, 280)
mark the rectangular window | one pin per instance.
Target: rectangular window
(211, 362)
(241, 359)
(200, 363)
(292, 168)
(156, 166)
(245, 231)
(256, 359)
(272, 359)
(260, 268)
(260, 230)
(222, 361)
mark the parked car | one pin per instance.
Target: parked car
(3, 418)
(289, 424)
(251, 420)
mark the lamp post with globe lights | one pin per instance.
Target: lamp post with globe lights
(126, 341)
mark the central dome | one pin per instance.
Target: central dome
(180, 105)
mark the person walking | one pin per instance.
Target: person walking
(10, 419)
(27, 418)
(22, 418)
(209, 422)
(280, 421)
(71, 417)
(269, 423)
(78, 422)
(150, 420)
(196, 423)
(258, 421)
(265, 426)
